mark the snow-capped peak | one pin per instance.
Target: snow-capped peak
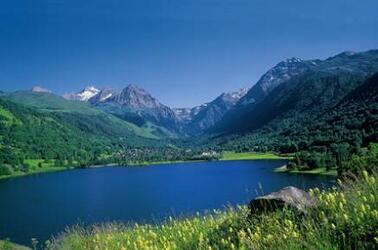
(84, 95)
(88, 93)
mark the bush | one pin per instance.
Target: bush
(6, 169)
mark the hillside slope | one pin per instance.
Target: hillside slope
(304, 95)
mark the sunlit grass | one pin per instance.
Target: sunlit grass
(36, 166)
(231, 155)
(346, 218)
(316, 171)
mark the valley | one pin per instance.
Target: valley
(188, 125)
(304, 123)
(131, 127)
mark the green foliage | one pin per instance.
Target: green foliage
(5, 169)
(231, 155)
(346, 218)
(323, 135)
(364, 159)
(60, 136)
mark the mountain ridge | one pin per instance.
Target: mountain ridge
(315, 86)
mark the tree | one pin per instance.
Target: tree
(5, 169)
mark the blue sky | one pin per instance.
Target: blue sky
(184, 52)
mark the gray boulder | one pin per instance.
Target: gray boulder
(290, 197)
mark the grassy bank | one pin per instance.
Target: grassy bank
(230, 155)
(346, 218)
(6, 245)
(316, 171)
(148, 163)
(37, 171)
(36, 166)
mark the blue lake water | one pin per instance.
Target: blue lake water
(39, 206)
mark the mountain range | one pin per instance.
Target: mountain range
(137, 106)
(288, 96)
(293, 89)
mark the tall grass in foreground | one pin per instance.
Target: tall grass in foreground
(346, 218)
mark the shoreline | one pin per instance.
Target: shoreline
(52, 170)
(317, 171)
(249, 156)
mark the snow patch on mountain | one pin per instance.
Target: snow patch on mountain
(84, 95)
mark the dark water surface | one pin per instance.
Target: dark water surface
(38, 206)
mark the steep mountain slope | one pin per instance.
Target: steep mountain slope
(84, 95)
(27, 133)
(49, 102)
(137, 106)
(213, 112)
(351, 123)
(75, 110)
(280, 73)
(103, 95)
(303, 96)
(186, 114)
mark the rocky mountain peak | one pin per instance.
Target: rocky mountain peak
(235, 96)
(84, 95)
(136, 97)
(103, 95)
(280, 73)
(293, 60)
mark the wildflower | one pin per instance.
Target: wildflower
(372, 180)
(372, 198)
(363, 208)
(345, 217)
(365, 174)
(333, 226)
(341, 205)
(269, 237)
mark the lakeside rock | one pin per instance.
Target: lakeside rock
(290, 197)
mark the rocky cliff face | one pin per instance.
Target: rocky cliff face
(104, 95)
(304, 90)
(206, 116)
(280, 73)
(136, 105)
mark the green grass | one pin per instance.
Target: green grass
(230, 155)
(316, 171)
(346, 217)
(226, 156)
(148, 163)
(7, 245)
(35, 169)
(50, 102)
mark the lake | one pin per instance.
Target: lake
(39, 206)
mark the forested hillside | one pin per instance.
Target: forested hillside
(323, 112)
(304, 95)
(323, 137)
(63, 137)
